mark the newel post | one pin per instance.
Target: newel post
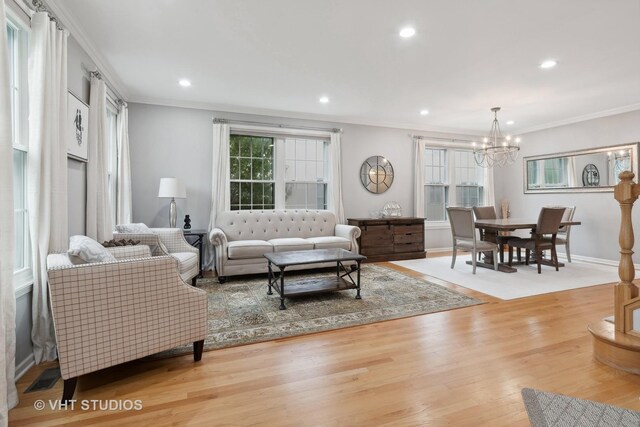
(625, 192)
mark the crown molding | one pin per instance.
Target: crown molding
(103, 65)
(224, 108)
(578, 119)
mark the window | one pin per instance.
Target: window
(305, 174)
(452, 178)
(251, 163)
(17, 41)
(112, 157)
(268, 172)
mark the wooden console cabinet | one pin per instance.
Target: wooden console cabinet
(390, 239)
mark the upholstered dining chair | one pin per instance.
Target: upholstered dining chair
(543, 237)
(489, 212)
(564, 232)
(463, 231)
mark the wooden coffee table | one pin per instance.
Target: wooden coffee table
(305, 286)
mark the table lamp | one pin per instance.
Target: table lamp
(172, 188)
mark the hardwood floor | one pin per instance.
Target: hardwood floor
(460, 367)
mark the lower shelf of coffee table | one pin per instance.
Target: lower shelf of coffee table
(314, 285)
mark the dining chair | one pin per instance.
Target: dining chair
(463, 231)
(543, 237)
(489, 212)
(564, 232)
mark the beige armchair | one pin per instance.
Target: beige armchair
(170, 241)
(109, 313)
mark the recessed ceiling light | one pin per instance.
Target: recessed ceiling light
(184, 83)
(510, 122)
(324, 99)
(407, 32)
(549, 63)
(424, 112)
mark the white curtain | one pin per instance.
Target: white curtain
(99, 221)
(220, 198)
(47, 176)
(124, 205)
(334, 190)
(418, 177)
(8, 394)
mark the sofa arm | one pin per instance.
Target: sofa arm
(219, 241)
(350, 232)
(149, 239)
(173, 239)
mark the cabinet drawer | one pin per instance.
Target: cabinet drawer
(408, 247)
(405, 229)
(408, 238)
(376, 250)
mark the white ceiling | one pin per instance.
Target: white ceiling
(279, 56)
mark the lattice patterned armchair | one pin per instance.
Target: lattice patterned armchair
(108, 313)
(166, 241)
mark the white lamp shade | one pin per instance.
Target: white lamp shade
(171, 187)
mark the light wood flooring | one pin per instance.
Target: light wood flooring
(460, 367)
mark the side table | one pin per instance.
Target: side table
(197, 242)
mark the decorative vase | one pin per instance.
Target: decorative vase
(187, 222)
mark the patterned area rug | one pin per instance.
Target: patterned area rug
(550, 409)
(241, 312)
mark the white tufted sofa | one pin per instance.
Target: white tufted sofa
(241, 238)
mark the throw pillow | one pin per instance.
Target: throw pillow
(122, 242)
(138, 228)
(88, 250)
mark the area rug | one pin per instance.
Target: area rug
(550, 409)
(241, 312)
(525, 282)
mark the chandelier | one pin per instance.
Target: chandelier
(496, 149)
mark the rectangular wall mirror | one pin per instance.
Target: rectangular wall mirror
(591, 170)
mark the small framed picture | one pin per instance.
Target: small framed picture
(78, 127)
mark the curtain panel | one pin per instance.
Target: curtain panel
(47, 169)
(124, 204)
(418, 177)
(99, 221)
(334, 191)
(220, 182)
(8, 393)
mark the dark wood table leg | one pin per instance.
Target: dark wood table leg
(269, 292)
(282, 306)
(358, 282)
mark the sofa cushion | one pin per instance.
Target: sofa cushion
(330, 242)
(291, 244)
(243, 249)
(83, 249)
(186, 261)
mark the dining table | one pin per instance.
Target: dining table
(492, 227)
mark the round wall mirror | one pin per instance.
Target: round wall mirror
(376, 174)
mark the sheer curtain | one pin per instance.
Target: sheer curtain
(99, 221)
(124, 203)
(334, 191)
(47, 170)
(8, 394)
(418, 177)
(219, 184)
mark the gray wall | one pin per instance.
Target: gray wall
(171, 141)
(599, 212)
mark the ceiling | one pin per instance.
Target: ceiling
(278, 57)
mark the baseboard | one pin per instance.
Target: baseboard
(24, 366)
(449, 249)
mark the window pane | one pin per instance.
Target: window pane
(245, 146)
(435, 202)
(234, 193)
(245, 169)
(234, 168)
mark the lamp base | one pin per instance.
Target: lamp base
(173, 213)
